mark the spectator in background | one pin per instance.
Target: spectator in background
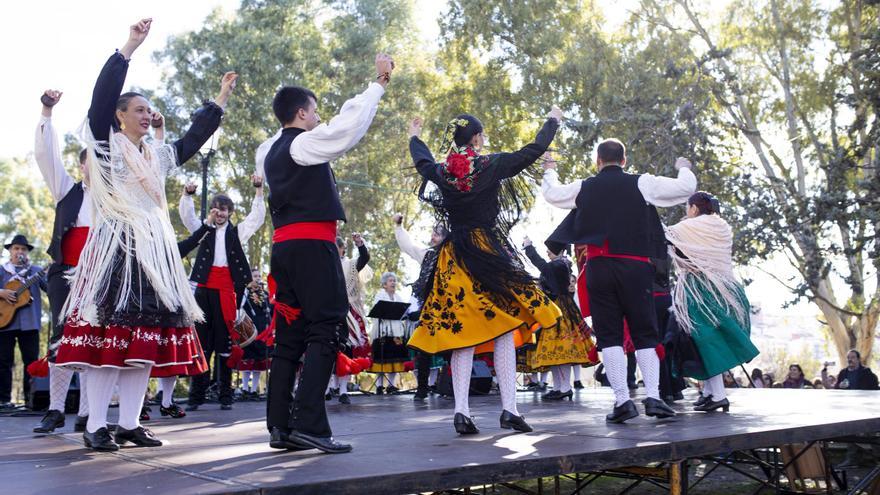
(729, 380)
(768, 380)
(795, 378)
(817, 383)
(757, 380)
(854, 376)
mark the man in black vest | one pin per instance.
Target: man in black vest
(73, 212)
(222, 273)
(614, 215)
(310, 301)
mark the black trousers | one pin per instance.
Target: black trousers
(29, 345)
(622, 288)
(57, 292)
(669, 383)
(215, 340)
(423, 369)
(308, 276)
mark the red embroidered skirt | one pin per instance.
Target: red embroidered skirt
(170, 350)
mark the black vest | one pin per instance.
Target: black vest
(299, 193)
(66, 212)
(611, 208)
(235, 258)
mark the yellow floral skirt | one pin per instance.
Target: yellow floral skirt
(560, 345)
(457, 314)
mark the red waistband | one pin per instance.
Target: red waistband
(317, 231)
(658, 293)
(72, 245)
(594, 251)
(219, 278)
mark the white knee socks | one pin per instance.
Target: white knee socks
(432, 377)
(132, 387)
(564, 384)
(462, 364)
(615, 369)
(649, 365)
(167, 386)
(714, 386)
(342, 383)
(392, 379)
(255, 381)
(100, 385)
(59, 384)
(576, 370)
(83, 396)
(505, 371)
(245, 380)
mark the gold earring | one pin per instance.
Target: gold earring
(122, 126)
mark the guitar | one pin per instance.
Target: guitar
(22, 292)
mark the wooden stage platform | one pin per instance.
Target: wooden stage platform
(406, 447)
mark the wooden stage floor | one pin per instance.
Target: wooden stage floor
(406, 447)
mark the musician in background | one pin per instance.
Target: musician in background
(25, 325)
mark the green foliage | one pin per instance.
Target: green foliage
(26, 207)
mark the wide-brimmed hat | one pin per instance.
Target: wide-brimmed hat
(21, 241)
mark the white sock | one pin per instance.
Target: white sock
(392, 379)
(432, 377)
(649, 365)
(462, 365)
(100, 384)
(533, 378)
(544, 376)
(380, 380)
(557, 380)
(615, 369)
(132, 387)
(564, 379)
(167, 384)
(716, 386)
(505, 371)
(245, 380)
(83, 396)
(342, 382)
(255, 381)
(576, 371)
(59, 383)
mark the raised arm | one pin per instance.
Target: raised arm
(205, 121)
(668, 191)
(558, 195)
(511, 164)
(421, 155)
(406, 244)
(540, 263)
(187, 209)
(254, 220)
(47, 154)
(363, 255)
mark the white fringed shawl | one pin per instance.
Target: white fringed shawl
(130, 220)
(706, 270)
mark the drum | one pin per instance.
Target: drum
(244, 330)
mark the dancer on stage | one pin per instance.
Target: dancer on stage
(310, 302)
(480, 297)
(130, 307)
(567, 343)
(389, 338)
(356, 272)
(221, 272)
(427, 366)
(614, 214)
(73, 215)
(709, 303)
(255, 360)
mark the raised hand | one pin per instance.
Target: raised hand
(555, 113)
(358, 239)
(526, 242)
(158, 120)
(137, 33)
(189, 188)
(397, 218)
(227, 84)
(682, 162)
(384, 67)
(257, 182)
(547, 161)
(49, 99)
(212, 215)
(415, 127)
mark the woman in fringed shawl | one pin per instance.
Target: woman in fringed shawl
(708, 302)
(478, 297)
(131, 308)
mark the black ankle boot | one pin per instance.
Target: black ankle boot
(711, 405)
(100, 440)
(464, 425)
(657, 408)
(512, 421)
(53, 419)
(623, 412)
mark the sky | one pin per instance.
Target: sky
(61, 45)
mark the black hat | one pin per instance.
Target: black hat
(21, 241)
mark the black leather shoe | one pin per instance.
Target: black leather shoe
(225, 407)
(344, 399)
(80, 425)
(328, 396)
(100, 440)
(512, 421)
(145, 413)
(464, 425)
(380, 390)
(711, 405)
(139, 436)
(677, 396)
(657, 408)
(702, 399)
(173, 410)
(392, 390)
(557, 395)
(578, 385)
(324, 444)
(53, 419)
(280, 439)
(623, 412)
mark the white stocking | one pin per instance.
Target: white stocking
(544, 377)
(59, 383)
(649, 365)
(255, 381)
(83, 396)
(576, 370)
(505, 371)
(245, 380)
(462, 365)
(392, 379)
(167, 384)
(380, 380)
(564, 379)
(342, 383)
(715, 385)
(557, 380)
(100, 384)
(132, 387)
(432, 376)
(615, 369)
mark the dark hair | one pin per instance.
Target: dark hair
(83, 154)
(464, 134)
(289, 100)
(611, 151)
(857, 353)
(441, 230)
(705, 202)
(757, 371)
(221, 200)
(122, 103)
(800, 370)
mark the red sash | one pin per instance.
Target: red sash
(72, 245)
(319, 231)
(220, 280)
(603, 251)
